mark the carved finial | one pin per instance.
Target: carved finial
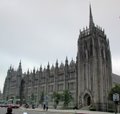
(20, 64)
(57, 63)
(28, 71)
(40, 67)
(48, 66)
(34, 70)
(66, 61)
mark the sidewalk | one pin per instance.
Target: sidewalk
(69, 111)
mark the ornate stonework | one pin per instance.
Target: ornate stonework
(89, 78)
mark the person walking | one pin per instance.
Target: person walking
(44, 106)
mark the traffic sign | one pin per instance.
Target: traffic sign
(115, 97)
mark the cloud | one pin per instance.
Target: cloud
(116, 64)
(38, 31)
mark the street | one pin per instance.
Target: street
(20, 111)
(51, 111)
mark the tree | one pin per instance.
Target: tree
(41, 98)
(115, 89)
(67, 98)
(57, 97)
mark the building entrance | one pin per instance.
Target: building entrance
(87, 100)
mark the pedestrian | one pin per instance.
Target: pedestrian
(44, 106)
(9, 110)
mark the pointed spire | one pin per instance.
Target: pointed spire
(10, 67)
(28, 71)
(48, 66)
(19, 70)
(40, 67)
(34, 70)
(57, 63)
(91, 23)
(20, 67)
(66, 61)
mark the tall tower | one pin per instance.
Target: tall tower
(94, 67)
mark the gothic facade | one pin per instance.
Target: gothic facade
(94, 66)
(89, 78)
(12, 83)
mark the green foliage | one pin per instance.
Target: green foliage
(67, 98)
(111, 107)
(92, 108)
(115, 89)
(111, 110)
(7, 98)
(57, 97)
(41, 98)
(17, 97)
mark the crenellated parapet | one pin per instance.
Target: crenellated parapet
(96, 30)
(60, 68)
(88, 78)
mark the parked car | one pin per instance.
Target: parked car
(3, 105)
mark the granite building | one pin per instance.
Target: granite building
(88, 78)
(12, 83)
(94, 66)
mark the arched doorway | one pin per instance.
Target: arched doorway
(87, 100)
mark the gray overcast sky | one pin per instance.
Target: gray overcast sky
(38, 31)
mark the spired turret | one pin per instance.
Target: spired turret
(91, 23)
(94, 67)
(19, 71)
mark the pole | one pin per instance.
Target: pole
(116, 102)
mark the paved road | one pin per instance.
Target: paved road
(20, 111)
(50, 111)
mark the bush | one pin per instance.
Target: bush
(111, 110)
(75, 107)
(92, 108)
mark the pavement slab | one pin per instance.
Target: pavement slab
(69, 111)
